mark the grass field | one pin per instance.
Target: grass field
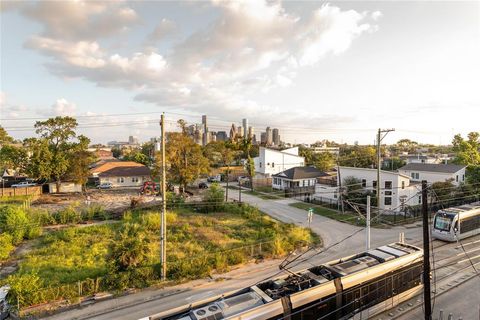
(329, 213)
(198, 244)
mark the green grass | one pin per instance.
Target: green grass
(329, 213)
(263, 195)
(198, 244)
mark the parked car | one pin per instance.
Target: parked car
(23, 184)
(202, 185)
(105, 185)
(242, 178)
(216, 178)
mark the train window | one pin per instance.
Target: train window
(442, 223)
(469, 224)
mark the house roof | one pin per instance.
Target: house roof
(375, 170)
(301, 173)
(433, 167)
(107, 164)
(126, 172)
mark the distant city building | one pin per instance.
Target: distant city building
(276, 137)
(263, 138)
(222, 136)
(132, 140)
(205, 136)
(233, 132)
(251, 133)
(269, 137)
(240, 131)
(245, 128)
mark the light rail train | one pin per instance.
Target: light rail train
(457, 223)
(354, 287)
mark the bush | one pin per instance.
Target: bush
(174, 200)
(6, 246)
(41, 217)
(25, 288)
(13, 220)
(68, 215)
(94, 211)
(213, 199)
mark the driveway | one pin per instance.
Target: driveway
(331, 231)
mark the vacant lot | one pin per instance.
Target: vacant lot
(80, 257)
(332, 214)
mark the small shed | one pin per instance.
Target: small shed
(65, 187)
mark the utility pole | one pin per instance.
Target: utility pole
(426, 254)
(379, 140)
(163, 227)
(239, 191)
(368, 224)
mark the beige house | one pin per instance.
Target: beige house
(125, 176)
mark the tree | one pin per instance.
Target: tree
(38, 165)
(185, 161)
(467, 152)
(393, 164)
(13, 157)
(138, 157)
(358, 156)
(406, 145)
(80, 159)
(324, 161)
(443, 190)
(220, 152)
(4, 136)
(58, 133)
(245, 145)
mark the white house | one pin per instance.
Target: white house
(434, 172)
(419, 158)
(396, 189)
(125, 176)
(297, 181)
(270, 161)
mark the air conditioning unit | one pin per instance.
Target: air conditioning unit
(210, 312)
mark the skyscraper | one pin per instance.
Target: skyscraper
(263, 138)
(269, 136)
(245, 128)
(276, 137)
(250, 133)
(205, 136)
(233, 132)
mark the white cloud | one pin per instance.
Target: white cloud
(376, 15)
(3, 98)
(62, 107)
(82, 20)
(253, 46)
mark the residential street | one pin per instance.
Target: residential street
(148, 302)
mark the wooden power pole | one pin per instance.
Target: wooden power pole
(426, 254)
(163, 227)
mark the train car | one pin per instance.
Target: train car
(354, 287)
(457, 223)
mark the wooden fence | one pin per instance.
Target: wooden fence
(23, 191)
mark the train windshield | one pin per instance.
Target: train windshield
(443, 222)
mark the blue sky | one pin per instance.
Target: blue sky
(316, 70)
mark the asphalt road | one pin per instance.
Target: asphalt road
(148, 302)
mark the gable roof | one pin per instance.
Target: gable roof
(433, 167)
(126, 172)
(105, 165)
(301, 173)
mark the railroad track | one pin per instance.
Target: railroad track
(451, 270)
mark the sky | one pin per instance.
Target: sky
(314, 69)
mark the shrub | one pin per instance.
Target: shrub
(6, 246)
(174, 200)
(94, 211)
(13, 220)
(213, 199)
(151, 221)
(68, 215)
(40, 216)
(25, 288)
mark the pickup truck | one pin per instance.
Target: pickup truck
(23, 184)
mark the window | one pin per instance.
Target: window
(134, 179)
(463, 177)
(456, 178)
(120, 180)
(388, 193)
(415, 175)
(260, 164)
(273, 164)
(388, 201)
(388, 184)
(403, 184)
(364, 183)
(374, 184)
(419, 200)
